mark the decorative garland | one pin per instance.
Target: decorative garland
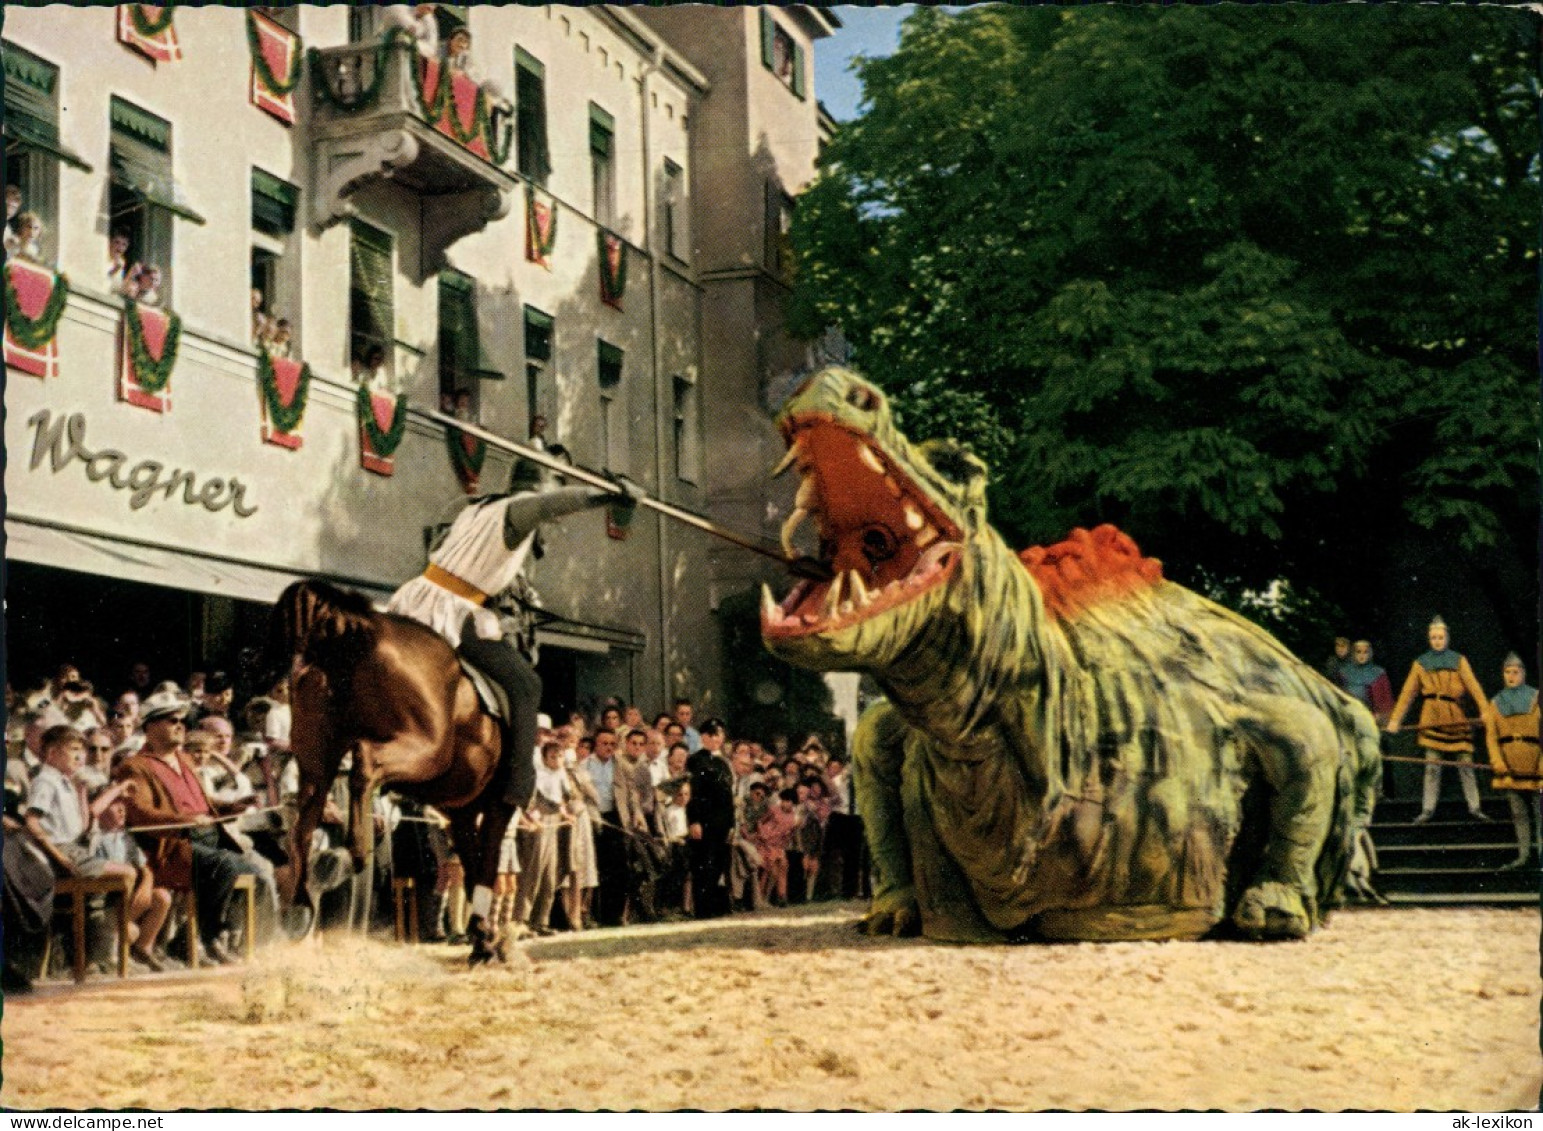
(283, 417)
(150, 28)
(149, 374)
(35, 333)
(265, 73)
(467, 464)
(384, 444)
(613, 284)
(443, 104)
(540, 246)
(368, 96)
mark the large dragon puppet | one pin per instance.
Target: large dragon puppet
(1071, 747)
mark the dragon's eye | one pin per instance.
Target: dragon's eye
(862, 397)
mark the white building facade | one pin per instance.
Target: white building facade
(527, 247)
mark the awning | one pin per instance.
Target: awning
(155, 185)
(37, 133)
(84, 552)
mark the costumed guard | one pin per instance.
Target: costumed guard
(481, 553)
(1511, 732)
(1442, 676)
(1369, 683)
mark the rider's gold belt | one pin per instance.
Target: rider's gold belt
(446, 580)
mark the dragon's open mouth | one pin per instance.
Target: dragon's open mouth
(884, 541)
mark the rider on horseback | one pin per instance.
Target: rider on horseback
(481, 553)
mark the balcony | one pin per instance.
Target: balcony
(381, 112)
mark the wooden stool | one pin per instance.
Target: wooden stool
(246, 882)
(402, 892)
(78, 888)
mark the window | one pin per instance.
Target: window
(688, 452)
(779, 227)
(781, 54)
(143, 197)
(533, 157)
(602, 134)
(33, 149)
(371, 319)
(539, 387)
(460, 350)
(274, 203)
(614, 439)
(363, 22)
(673, 203)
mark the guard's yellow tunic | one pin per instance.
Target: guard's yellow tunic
(1513, 739)
(1442, 678)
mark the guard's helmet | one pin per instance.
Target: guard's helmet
(526, 476)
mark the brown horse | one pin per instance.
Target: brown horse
(392, 692)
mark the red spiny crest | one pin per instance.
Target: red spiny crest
(1089, 567)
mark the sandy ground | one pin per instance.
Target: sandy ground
(1389, 1009)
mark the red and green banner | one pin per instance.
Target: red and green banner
(147, 354)
(285, 386)
(540, 227)
(382, 424)
(276, 57)
(467, 453)
(459, 110)
(147, 28)
(613, 269)
(35, 298)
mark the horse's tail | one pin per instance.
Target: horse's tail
(310, 615)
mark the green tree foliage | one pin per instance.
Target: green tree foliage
(1258, 284)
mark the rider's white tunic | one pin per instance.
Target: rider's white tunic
(474, 551)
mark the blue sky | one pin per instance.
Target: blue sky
(865, 31)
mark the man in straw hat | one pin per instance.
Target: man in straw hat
(199, 852)
(1442, 677)
(1511, 733)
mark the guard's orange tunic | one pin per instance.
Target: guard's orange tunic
(1513, 745)
(1443, 690)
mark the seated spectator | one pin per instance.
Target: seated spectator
(76, 700)
(199, 852)
(149, 906)
(57, 814)
(219, 694)
(209, 746)
(97, 771)
(28, 906)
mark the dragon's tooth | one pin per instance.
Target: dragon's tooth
(768, 602)
(894, 488)
(787, 460)
(790, 527)
(833, 596)
(870, 458)
(810, 618)
(926, 536)
(806, 493)
(913, 517)
(860, 592)
(847, 608)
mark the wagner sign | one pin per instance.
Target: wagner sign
(63, 441)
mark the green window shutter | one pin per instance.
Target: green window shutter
(768, 38)
(371, 281)
(534, 158)
(610, 364)
(274, 204)
(24, 69)
(538, 334)
(140, 125)
(798, 69)
(602, 128)
(458, 340)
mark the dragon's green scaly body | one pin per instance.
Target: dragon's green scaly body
(1071, 747)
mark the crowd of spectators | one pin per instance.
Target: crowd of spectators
(631, 822)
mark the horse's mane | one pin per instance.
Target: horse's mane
(1089, 567)
(314, 614)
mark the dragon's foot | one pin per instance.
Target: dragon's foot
(899, 917)
(1272, 910)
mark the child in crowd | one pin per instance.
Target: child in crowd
(58, 815)
(149, 906)
(773, 835)
(28, 240)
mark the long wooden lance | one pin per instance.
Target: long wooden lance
(799, 566)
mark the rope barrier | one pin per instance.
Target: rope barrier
(209, 824)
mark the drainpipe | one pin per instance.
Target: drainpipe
(660, 401)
